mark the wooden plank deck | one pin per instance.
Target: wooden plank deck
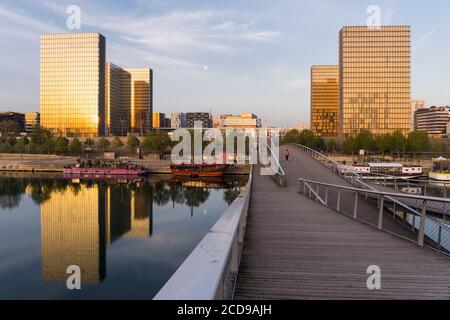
(295, 248)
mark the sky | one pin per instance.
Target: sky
(228, 56)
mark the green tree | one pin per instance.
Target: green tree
(399, 142)
(292, 136)
(418, 141)
(61, 145)
(40, 135)
(12, 141)
(132, 143)
(116, 144)
(438, 148)
(21, 144)
(5, 147)
(364, 140)
(349, 145)
(75, 146)
(383, 143)
(307, 138)
(156, 142)
(103, 144)
(319, 144)
(331, 145)
(49, 145)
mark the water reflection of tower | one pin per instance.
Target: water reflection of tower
(141, 213)
(72, 233)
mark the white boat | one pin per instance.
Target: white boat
(387, 170)
(440, 170)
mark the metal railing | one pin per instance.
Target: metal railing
(279, 176)
(427, 227)
(209, 272)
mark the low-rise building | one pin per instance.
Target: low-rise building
(177, 120)
(243, 121)
(159, 120)
(16, 117)
(32, 121)
(433, 120)
(416, 105)
(203, 117)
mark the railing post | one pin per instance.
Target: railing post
(355, 207)
(338, 206)
(317, 193)
(380, 213)
(422, 224)
(439, 237)
(235, 255)
(326, 196)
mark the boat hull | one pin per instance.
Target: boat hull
(198, 170)
(439, 176)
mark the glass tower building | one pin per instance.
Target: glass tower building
(375, 79)
(118, 100)
(72, 84)
(325, 100)
(141, 92)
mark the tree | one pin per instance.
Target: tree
(49, 145)
(61, 144)
(39, 136)
(103, 144)
(399, 142)
(307, 138)
(418, 141)
(21, 144)
(5, 147)
(364, 140)
(319, 144)
(116, 144)
(156, 142)
(75, 146)
(12, 141)
(132, 143)
(438, 148)
(292, 136)
(349, 145)
(383, 143)
(331, 145)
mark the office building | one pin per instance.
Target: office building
(141, 99)
(243, 121)
(433, 120)
(72, 84)
(416, 105)
(14, 117)
(177, 120)
(32, 121)
(325, 100)
(203, 117)
(118, 100)
(375, 79)
(215, 121)
(159, 120)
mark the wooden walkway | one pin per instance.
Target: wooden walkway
(295, 248)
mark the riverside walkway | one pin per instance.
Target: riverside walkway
(295, 248)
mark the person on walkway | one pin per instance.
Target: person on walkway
(286, 153)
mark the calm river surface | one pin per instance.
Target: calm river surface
(128, 237)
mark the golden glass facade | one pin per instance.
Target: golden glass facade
(325, 100)
(118, 100)
(72, 233)
(141, 99)
(375, 79)
(72, 84)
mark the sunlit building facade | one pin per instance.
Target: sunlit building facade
(159, 120)
(72, 233)
(245, 120)
(72, 84)
(325, 100)
(375, 79)
(32, 121)
(118, 100)
(141, 99)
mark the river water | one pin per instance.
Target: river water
(127, 236)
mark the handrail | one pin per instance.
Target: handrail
(279, 176)
(442, 231)
(206, 272)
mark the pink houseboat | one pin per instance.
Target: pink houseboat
(105, 169)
